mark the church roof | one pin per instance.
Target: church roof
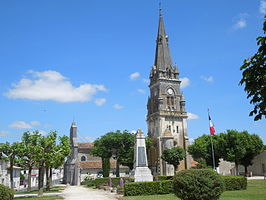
(163, 58)
(85, 145)
(97, 164)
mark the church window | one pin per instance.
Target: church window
(168, 100)
(172, 101)
(169, 127)
(83, 158)
(177, 129)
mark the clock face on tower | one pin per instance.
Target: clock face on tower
(170, 91)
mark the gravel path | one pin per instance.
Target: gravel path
(83, 193)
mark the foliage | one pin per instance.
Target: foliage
(235, 182)
(115, 181)
(6, 193)
(239, 147)
(163, 178)
(254, 78)
(106, 167)
(254, 147)
(255, 191)
(202, 150)
(198, 184)
(173, 156)
(148, 188)
(89, 182)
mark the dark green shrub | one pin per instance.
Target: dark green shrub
(198, 184)
(115, 181)
(148, 188)
(235, 182)
(163, 178)
(6, 193)
(90, 182)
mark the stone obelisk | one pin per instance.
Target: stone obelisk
(141, 172)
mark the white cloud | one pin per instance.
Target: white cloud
(191, 140)
(35, 123)
(207, 79)
(141, 91)
(20, 125)
(51, 85)
(134, 75)
(3, 133)
(133, 131)
(192, 116)
(240, 21)
(263, 7)
(184, 82)
(100, 102)
(117, 106)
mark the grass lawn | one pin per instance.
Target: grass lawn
(53, 189)
(256, 190)
(41, 198)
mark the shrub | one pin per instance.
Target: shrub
(148, 188)
(115, 181)
(163, 178)
(198, 184)
(235, 182)
(90, 182)
(6, 193)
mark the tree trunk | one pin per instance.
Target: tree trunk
(246, 170)
(237, 169)
(51, 178)
(29, 179)
(11, 173)
(40, 180)
(117, 173)
(47, 178)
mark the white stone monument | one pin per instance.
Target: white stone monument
(141, 172)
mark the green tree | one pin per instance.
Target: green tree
(254, 78)
(173, 156)
(235, 145)
(201, 149)
(27, 151)
(10, 152)
(254, 147)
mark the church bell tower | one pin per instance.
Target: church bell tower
(167, 116)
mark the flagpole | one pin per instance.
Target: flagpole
(213, 158)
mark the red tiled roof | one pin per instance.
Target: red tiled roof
(194, 163)
(96, 164)
(85, 145)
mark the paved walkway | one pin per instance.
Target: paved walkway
(83, 193)
(35, 195)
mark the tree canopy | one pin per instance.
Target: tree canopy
(173, 156)
(254, 78)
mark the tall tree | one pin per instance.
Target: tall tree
(173, 156)
(254, 147)
(10, 151)
(254, 78)
(235, 145)
(27, 151)
(201, 149)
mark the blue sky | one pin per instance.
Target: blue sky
(90, 61)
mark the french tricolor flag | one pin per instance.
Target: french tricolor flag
(212, 129)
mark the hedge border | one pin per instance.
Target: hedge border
(235, 183)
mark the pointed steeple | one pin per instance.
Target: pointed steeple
(162, 55)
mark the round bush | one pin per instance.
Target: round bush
(198, 184)
(6, 193)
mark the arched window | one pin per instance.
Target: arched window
(83, 158)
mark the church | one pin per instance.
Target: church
(167, 116)
(166, 120)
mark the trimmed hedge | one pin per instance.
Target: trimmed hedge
(6, 193)
(235, 182)
(115, 181)
(148, 188)
(163, 178)
(198, 184)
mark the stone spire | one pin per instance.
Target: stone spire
(162, 55)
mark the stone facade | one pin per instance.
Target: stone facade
(167, 116)
(81, 164)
